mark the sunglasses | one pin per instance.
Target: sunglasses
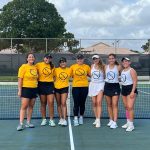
(95, 58)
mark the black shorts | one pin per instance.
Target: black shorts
(126, 90)
(45, 88)
(111, 89)
(62, 90)
(29, 92)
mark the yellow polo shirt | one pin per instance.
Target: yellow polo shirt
(80, 75)
(62, 76)
(29, 75)
(46, 74)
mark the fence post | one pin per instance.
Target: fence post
(46, 45)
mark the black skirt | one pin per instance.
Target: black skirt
(29, 92)
(111, 89)
(45, 88)
(126, 90)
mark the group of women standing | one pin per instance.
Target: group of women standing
(49, 82)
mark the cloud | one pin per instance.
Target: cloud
(103, 19)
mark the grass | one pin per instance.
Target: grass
(8, 78)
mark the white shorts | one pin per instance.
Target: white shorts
(95, 88)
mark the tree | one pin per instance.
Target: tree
(146, 47)
(31, 19)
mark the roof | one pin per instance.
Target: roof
(8, 51)
(103, 48)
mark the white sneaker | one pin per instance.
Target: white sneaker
(125, 126)
(94, 123)
(76, 123)
(110, 122)
(60, 121)
(80, 120)
(44, 122)
(52, 123)
(98, 124)
(130, 128)
(113, 125)
(64, 123)
(29, 125)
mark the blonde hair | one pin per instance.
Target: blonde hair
(100, 65)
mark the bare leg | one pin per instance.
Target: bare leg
(115, 107)
(58, 100)
(63, 104)
(24, 106)
(43, 100)
(50, 100)
(109, 107)
(30, 109)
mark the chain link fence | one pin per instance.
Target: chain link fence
(13, 52)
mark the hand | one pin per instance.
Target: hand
(132, 94)
(19, 93)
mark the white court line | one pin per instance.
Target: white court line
(69, 123)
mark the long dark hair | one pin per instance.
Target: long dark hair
(114, 55)
(51, 65)
(30, 53)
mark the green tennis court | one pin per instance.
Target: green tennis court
(84, 137)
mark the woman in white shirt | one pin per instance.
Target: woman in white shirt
(112, 89)
(129, 91)
(96, 88)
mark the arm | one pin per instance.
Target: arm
(20, 80)
(89, 71)
(134, 78)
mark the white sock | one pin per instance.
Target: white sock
(130, 123)
(97, 119)
(75, 117)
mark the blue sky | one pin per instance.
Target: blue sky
(125, 19)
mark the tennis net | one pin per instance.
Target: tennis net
(10, 103)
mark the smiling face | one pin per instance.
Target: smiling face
(30, 59)
(96, 61)
(126, 63)
(63, 64)
(47, 60)
(80, 61)
(111, 60)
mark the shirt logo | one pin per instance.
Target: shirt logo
(96, 74)
(110, 75)
(79, 72)
(46, 71)
(123, 78)
(63, 75)
(33, 72)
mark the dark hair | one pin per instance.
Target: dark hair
(114, 55)
(62, 59)
(28, 56)
(51, 65)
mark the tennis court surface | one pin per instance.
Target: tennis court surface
(84, 137)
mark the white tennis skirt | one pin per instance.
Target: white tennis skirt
(95, 88)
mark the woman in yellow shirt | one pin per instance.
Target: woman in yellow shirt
(80, 73)
(62, 76)
(27, 90)
(46, 88)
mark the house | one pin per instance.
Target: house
(103, 48)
